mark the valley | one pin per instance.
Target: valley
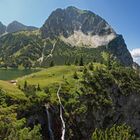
(71, 79)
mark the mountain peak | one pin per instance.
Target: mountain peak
(72, 8)
(76, 25)
(1, 23)
(16, 26)
(15, 22)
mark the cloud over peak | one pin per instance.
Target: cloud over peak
(136, 55)
(135, 52)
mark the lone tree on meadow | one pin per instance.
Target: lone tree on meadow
(25, 84)
(81, 63)
(52, 63)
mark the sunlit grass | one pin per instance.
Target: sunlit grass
(12, 91)
(50, 76)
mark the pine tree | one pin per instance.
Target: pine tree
(76, 61)
(81, 63)
(68, 62)
(52, 63)
(25, 84)
(107, 59)
(85, 70)
(75, 75)
(90, 66)
(38, 88)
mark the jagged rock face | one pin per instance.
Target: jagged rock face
(85, 29)
(78, 26)
(2, 28)
(119, 49)
(16, 26)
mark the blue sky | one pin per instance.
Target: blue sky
(122, 15)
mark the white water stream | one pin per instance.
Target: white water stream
(40, 60)
(49, 122)
(61, 115)
(51, 53)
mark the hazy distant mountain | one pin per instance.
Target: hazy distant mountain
(16, 26)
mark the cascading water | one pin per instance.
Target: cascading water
(51, 53)
(40, 60)
(61, 115)
(49, 122)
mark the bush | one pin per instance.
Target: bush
(121, 132)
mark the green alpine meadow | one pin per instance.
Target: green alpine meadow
(73, 78)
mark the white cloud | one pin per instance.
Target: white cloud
(135, 52)
(136, 55)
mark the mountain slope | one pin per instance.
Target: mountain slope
(119, 49)
(67, 35)
(85, 29)
(11, 91)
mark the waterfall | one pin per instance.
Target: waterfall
(49, 122)
(51, 53)
(61, 115)
(40, 60)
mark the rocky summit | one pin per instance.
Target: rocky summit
(78, 27)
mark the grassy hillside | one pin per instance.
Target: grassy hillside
(12, 91)
(95, 96)
(28, 49)
(49, 80)
(50, 76)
